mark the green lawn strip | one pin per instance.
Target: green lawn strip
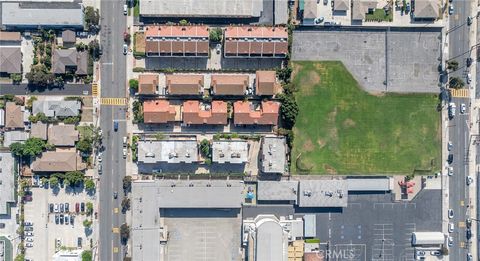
(379, 15)
(136, 9)
(342, 129)
(85, 131)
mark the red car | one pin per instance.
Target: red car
(77, 207)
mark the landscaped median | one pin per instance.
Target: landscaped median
(342, 129)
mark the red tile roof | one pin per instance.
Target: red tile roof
(266, 83)
(147, 83)
(246, 113)
(158, 111)
(170, 40)
(245, 41)
(229, 84)
(184, 84)
(193, 114)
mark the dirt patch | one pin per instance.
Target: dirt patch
(312, 78)
(329, 169)
(321, 143)
(296, 69)
(87, 115)
(308, 146)
(333, 133)
(139, 42)
(378, 94)
(348, 123)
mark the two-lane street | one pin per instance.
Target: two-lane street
(113, 85)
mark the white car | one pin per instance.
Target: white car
(29, 239)
(450, 146)
(469, 180)
(100, 157)
(124, 153)
(125, 141)
(463, 108)
(469, 78)
(29, 245)
(28, 223)
(125, 49)
(29, 234)
(450, 171)
(450, 241)
(125, 9)
(450, 213)
(451, 9)
(451, 227)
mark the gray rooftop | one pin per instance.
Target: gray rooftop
(201, 8)
(42, 14)
(281, 12)
(57, 108)
(10, 60)
(170, 151)
(323, 193)
(369, 184)
(7, 184)
(310, 225)
(274, 153)
(14, 136)
(270, 241)
(233, 151)
(195, 193)
(277, 190)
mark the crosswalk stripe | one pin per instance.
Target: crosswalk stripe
(116, 230)
(94, 89)
(113, 101)
(460, 93)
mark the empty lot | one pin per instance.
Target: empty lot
(380, 60)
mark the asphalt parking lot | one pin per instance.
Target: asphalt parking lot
(46, 231)
(203, 234)
(379, 229)
(395, 60)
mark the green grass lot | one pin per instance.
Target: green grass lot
(379, 15)
(342, 129)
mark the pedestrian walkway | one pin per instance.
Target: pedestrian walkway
(460, 93)
(95, 89)
(113, 101)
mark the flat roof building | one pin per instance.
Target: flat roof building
(230, 151)
(33, 15)
(148, 84)
(369, 184)
(168, 151)
(285, 190)
(323, 193)
(184, 84)
(247, 113)
(274, 154)
(7, 181)
(234, 84)
(256, 42)
(173, 40)
(196, 113)
(159, 111)
(202, 8)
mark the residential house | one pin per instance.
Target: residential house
(234, 84)
(266, 83)
(14, 116)
(361, 7)
(168, 151)
(39, 130)
(68, 38)
(273, 155)
(310, 12)
(341, 5)
(10, 60)
(7, 182)
(69, 60)
(62, 135)
(42, 14)
(160, 111)
(427, 10)
(230, 151)
(184, 84)
(10, 38)
(247, 113)
(148, 84)
(13, 136)
(196, 113)
(256, 42)
(173, 40)
(57, 108)
(58, 161)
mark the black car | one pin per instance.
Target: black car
(469, 233)
(51, 207)
(469, 61)
(57, 219)
(67, 207)
(71, 220)
(62, 209)
(61, 219)
(82, 207)
(450, 158)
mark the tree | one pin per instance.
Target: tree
(30, 101)
(159, 136)
(74, 177)
(87, 255)
(216, 34)
(137, 112)
(205, 148)
(183, 22)
(33, 147)
(94, 49)
(456, 83)
(452, 65)
(87, 223)
(85, 145)
(17, 149)
(125, 204)
(89, 208)
(39, 75)
(127, 37)
(20, 257)
(288, 109)
(81, 47)
(53, 181)
(127, 183)
(92, 16)
(124, 232)
(58, 81)
(284, 74)
(133, 83)
(16, 78)
(89, 185)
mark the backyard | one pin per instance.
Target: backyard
(341, 129)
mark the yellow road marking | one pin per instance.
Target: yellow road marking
(115, 210)
(115, 230)
(462, 203)
(461, 93)
(95, 89)
(113, 101)
(461, 224)
(115, 250)
(462, 244)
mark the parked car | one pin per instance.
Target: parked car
(57, 219)
(29, 245)
(125, 49)
(450, 241)
(450, 158)
(62, 208)
(29, 239)
(125, 141)
(469, 222)
(124, 153)
(28, 229)
(28, 223)
(100, 169)
(469, 61)
(469, 78)
(450, 213)
(82, 207)
(125, 9)
(79, 242)
(469, 257)
(29, 234)
(115, 194)
(58, 242)
(468, 233)
(451, 227)
(71, 220)
(469, 180)
(55, 208)
(67, 219)
(77, 207)
(61, 219)
(463, 108)
(450, 171)
(451, 109)
(51, 208)
(115, 125)
(450, 146)
(435, 253)
(67, 207)
(100, 157)
(451, 9)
